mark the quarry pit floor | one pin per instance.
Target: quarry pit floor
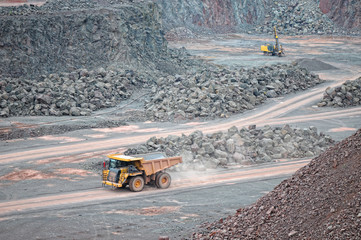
(48, 190)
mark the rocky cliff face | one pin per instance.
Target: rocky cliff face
(345, 13)
(290, 16)
(68, 35)
(220, 15)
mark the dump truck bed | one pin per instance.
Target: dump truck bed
(156, 165)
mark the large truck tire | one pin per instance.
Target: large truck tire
(163, 180)
(157, 178)
(136, 184)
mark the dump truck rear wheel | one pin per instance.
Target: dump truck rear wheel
(163, 180)
(136, 184)
(157, 178)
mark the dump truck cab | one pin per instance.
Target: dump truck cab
(136, 171)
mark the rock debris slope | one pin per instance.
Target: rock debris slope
(320, 201)
(292, 17)
(296, 18)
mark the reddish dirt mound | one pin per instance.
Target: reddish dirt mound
(26, 174)
(73, 171)
(29, 174)
(320, 201)
(150, 211)
(13, 1)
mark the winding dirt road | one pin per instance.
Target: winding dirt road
(43, 197)
(272, 115)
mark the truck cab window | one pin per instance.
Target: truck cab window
(117, 164)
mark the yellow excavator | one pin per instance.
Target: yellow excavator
(273, 50)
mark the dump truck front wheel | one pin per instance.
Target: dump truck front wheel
(136, 184)
(163, 180)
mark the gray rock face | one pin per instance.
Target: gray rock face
(220, 92)
(221, 16)
(62, 36)
(348, 94)
(243, 147)
(187, 18)
(296, 18)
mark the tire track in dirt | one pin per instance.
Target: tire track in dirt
(258, 172)
(268, 116)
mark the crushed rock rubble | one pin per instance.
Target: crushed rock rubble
(320, 201)
(77, 93)
(220, 92)
(238, 147)
(297, 18)
(291, 17)
(208, 92)
(346, 95)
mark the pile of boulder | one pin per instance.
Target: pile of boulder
(348, 94)
(238, 147)
(77, 93)
(296, 18)
(220, 92)
(320, 201)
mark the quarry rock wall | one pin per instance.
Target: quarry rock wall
(291, 17)
(345, 13)
(38, 41)
(212, 14)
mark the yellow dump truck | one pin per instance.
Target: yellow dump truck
(138, 170)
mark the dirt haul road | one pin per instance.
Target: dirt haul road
(48, 188)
